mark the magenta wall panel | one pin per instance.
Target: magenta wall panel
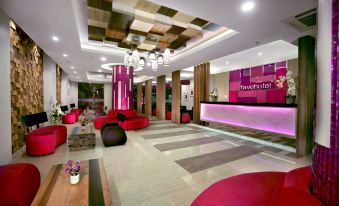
(257, 75)
(269, 69)
(261, 96)
(280, 64)
(252, 93)
(263, 78)
(233, 97)
(276, 95)
(234, 86)
(257, 71)
(326, 160)
(122, 88)
(235, 76)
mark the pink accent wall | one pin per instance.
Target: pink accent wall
(122, 88)
(261, 73)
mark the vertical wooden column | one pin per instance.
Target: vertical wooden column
(176, 93)
(148, 98)
(201, 89)
(139, 97)
(161, 97)
(306, 91)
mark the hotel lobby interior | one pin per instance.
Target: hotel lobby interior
(155, 102)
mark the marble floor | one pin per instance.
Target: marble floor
(160, 165)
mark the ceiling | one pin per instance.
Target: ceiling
(68, 20)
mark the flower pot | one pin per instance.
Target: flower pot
(290, 99)
(74, 179)
(83, 127)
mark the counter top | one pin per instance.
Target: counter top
(253, 104)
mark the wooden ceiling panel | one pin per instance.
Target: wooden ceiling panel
(192, 31)
(184, 18)
(124, 6)
(98, 17)
(100, 4)
(147, 6)
(169, 38)
(136, 37)
(142, 24)
(160, 28)
(119, 21)
(199, 22)
(97, 31)
(147, 45)
(167, 11)
(115, 34)
(176, 30)
(163, 45)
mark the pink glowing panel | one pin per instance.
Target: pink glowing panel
(263, 78)
(272, 119)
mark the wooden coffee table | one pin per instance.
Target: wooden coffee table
(82, 139)
(93, 188)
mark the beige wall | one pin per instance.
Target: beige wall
(221, 81)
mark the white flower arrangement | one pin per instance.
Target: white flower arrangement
(291, 87)
(281, 81)
(56, 112)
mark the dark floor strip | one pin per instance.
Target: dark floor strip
(188, 143)
(170, 134)
(160, 128)
(202, 162)
(95, 193)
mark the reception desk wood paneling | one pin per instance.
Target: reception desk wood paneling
(275, 118)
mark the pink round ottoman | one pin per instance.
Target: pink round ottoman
(69, 118)
(40, 142)
(185, 118)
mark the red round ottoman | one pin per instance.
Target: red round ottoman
(169, 115)
(19, 184)
(99, 122)
(40, 142)
(60, 133)
(69, 118)
(185, 118)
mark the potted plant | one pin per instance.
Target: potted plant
(56, 112)
(291, 88)
(73, 168)
(214, 94)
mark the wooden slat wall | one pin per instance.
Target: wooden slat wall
(148, 97)
(176, 93)
(161, 95)
(306, 101)
(139, 97)
(201, 89)
(26, 82)
(58, 83)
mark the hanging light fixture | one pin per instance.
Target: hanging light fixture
(126, 59)
(136, 58)
(152, 56)
(154, 65)
(160, 59)
(142, 62)
(167, 57)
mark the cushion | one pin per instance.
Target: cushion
(130, 113)
(111, 114)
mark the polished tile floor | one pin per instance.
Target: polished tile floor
(139, 173)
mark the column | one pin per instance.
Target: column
(122, 88)
(306, 91)
(176, 93)
(148, 97)
(161, 97)
(139, 97)
(201, 89)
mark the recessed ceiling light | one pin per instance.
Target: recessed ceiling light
(99, 70)
(227, 62)
(55, 38)
(72, 67)
(65, 55)
(247, 6)
(78, 77)
(75, 72)
(103, 58)
(260, 53)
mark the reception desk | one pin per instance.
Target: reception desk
(276, 118)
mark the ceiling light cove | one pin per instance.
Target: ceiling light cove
(65, 55)
(72, 67)
(99, 70)
(55, 38)
(247, 6)
(75, 72)
(260, 54)
(109, 66)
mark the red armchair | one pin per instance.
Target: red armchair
(132, 120)
(69, 118)
(19, 184)
(261, 188)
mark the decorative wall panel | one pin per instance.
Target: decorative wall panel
(263, 74)
(26, 82)
(122, 88)
(326, 160)
(58, 83)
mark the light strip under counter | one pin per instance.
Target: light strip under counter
(275, 118)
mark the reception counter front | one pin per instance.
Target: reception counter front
(276, 118)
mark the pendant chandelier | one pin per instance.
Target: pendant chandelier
(133, 59)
